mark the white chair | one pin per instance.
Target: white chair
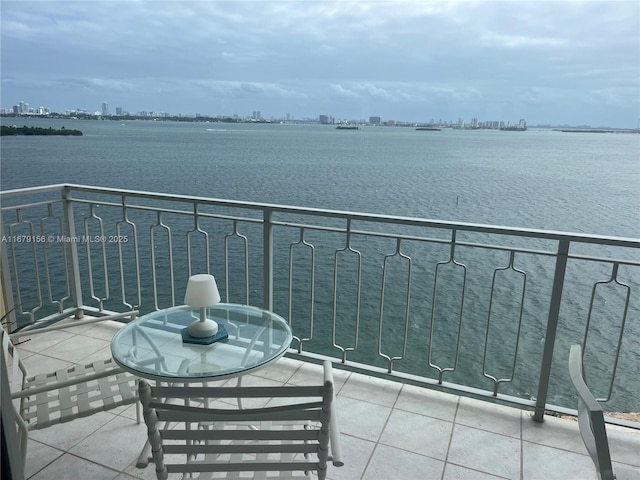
(290, 439)
(64, 395)
(590, 418)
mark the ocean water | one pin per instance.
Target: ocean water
(575, 182)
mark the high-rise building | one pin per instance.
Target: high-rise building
(325, 119)
(105, 109)
(118, 110)
(375, 120)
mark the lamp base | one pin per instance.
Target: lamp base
(203, 328)
(220, 336)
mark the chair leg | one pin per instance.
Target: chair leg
(138, 413)
(137, 405)
(145, 456)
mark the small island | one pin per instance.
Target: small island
(13, 130)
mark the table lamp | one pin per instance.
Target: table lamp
(202, 292)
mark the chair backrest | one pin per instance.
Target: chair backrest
(297, 434)
(590, 417)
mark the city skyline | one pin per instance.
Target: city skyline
(551, 62)
(23, 108)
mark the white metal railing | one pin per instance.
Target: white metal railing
(482, 310)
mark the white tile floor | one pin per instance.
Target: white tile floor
(389, 430)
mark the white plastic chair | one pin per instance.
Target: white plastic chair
(64, 395)
(590, 418)
(289, 440)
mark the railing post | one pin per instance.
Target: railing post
(72, 246)
(6, 287)
(552, 327)
(267, 302)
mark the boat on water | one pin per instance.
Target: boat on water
(515, 128)
(429, 129)
(347, 126)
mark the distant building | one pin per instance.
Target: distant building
(118, 110)
(325, 119)
(375, 120)
(105, 109)
(257, 115)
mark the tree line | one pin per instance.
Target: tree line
(24, 130)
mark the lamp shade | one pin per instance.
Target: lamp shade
(202, 291)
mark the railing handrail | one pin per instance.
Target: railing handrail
(408, 221)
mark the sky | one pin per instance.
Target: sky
(550, 62)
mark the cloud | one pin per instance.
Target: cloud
(393, 56)
(362, 90)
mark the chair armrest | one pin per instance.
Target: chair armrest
(577, 378)
(334, 425)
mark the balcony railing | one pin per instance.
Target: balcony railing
(482, 310)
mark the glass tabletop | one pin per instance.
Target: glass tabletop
(152, 346)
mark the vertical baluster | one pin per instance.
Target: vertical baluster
(497, 381)
(198, 230)
(245, 242)
(160, 225)
(627, 289)
(125, 220)
(304, 243)
(102, 245)
(350, 249)
(452, 261)
(45, 255)
(390, 360)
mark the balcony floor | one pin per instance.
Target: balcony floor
(390, 430)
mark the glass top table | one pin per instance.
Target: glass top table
(152, 346)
